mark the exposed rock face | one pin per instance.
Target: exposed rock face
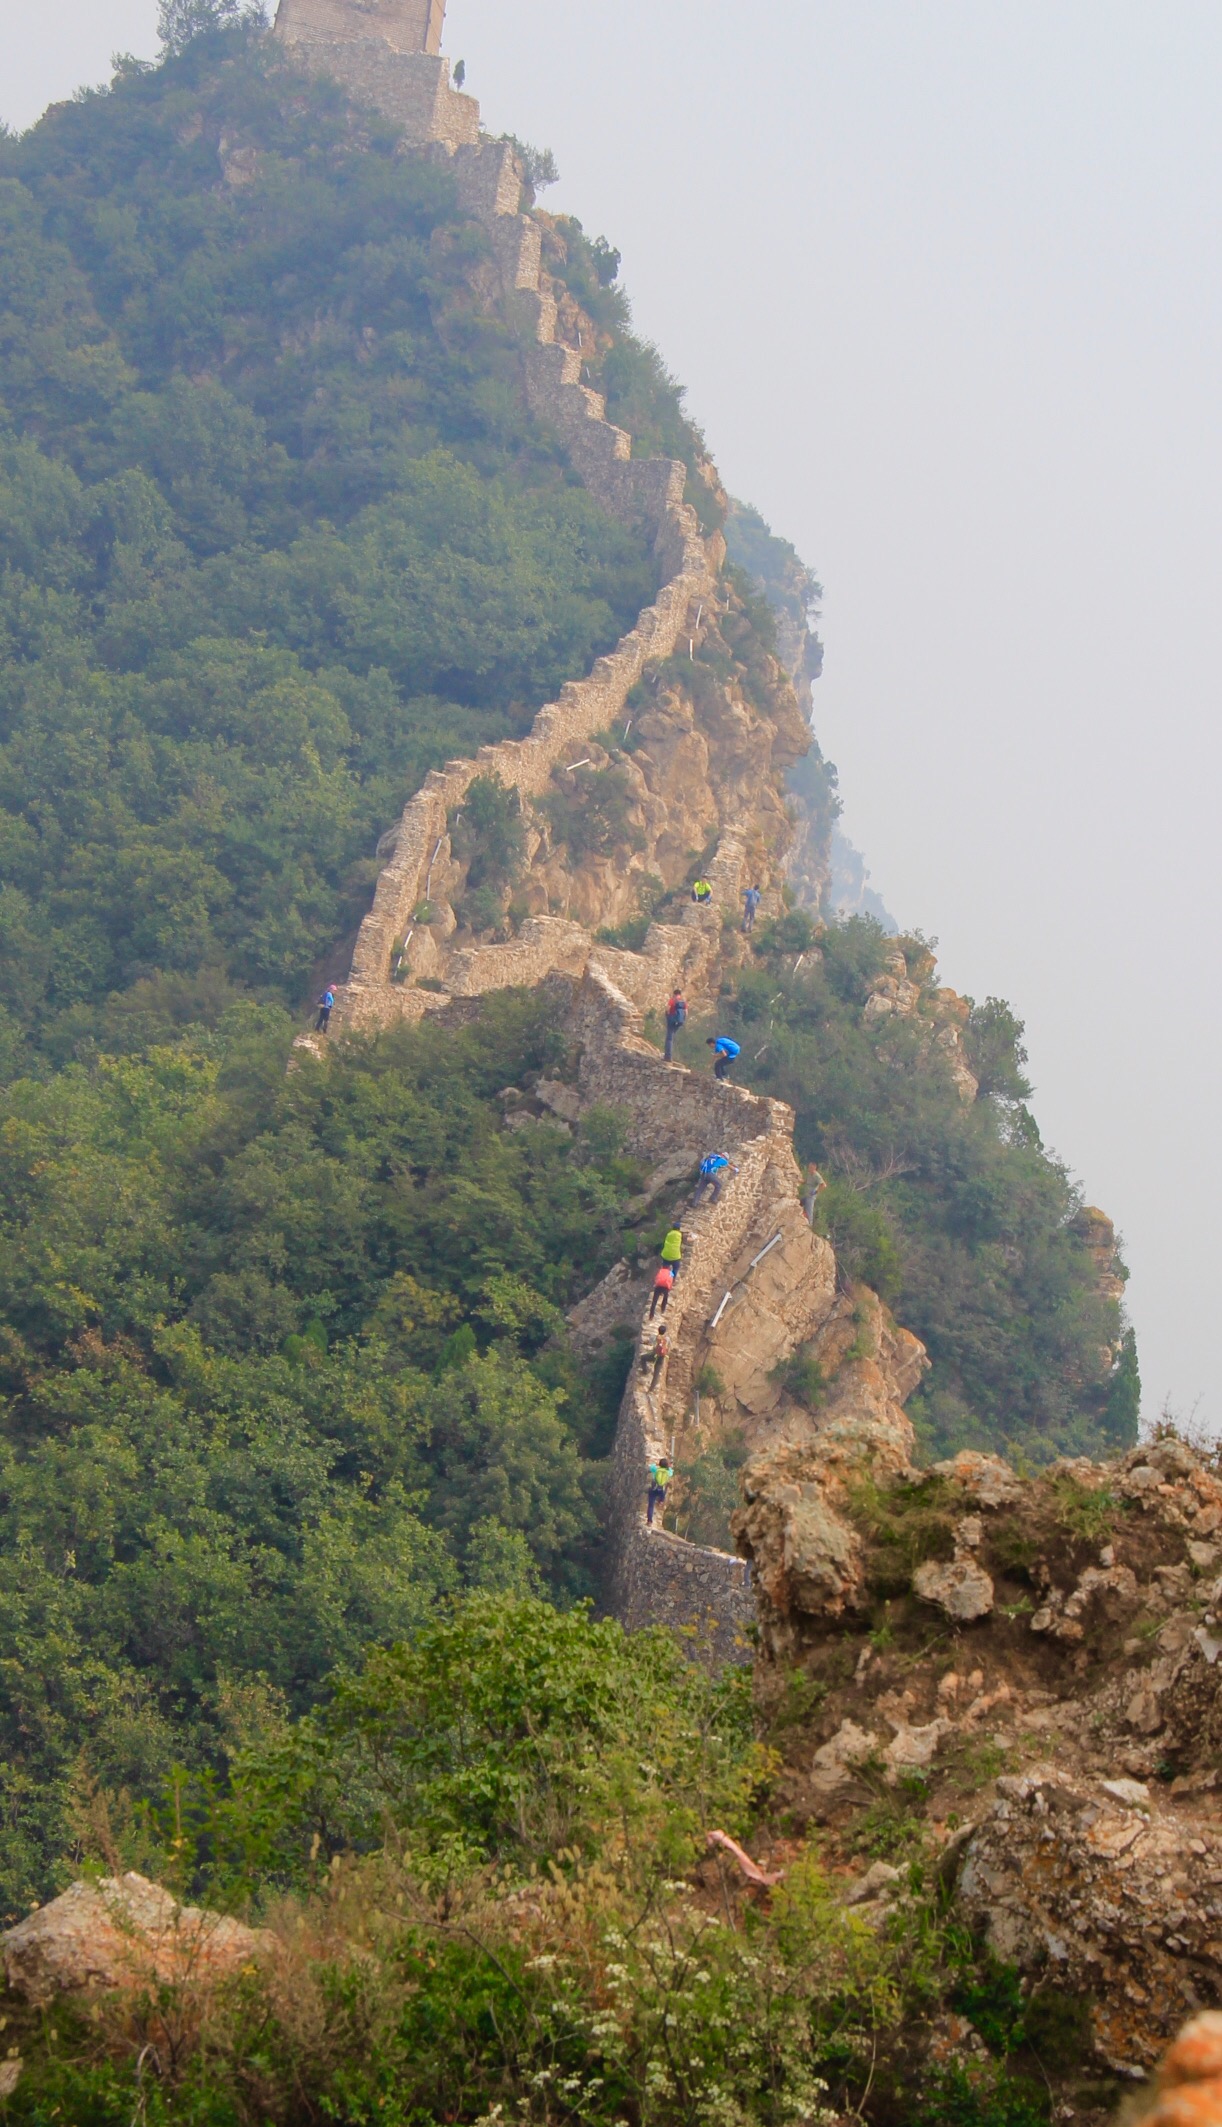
(124, 1932)
(1105, 1892)
(796, 1526)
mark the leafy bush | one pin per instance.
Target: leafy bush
(802, 1377)
(507, 1732)
(994, 1044)
(710, 1493)
(862, 1237)
(488, 838)
(589, 813)
(282, 1363)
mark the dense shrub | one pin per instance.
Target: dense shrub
(280, 1364)
(277, 532)
(955, 1214)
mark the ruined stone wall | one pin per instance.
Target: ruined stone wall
(706, 1595)
(653, 1574)
(644, 492)
(386, 52)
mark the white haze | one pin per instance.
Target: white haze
(943, 283)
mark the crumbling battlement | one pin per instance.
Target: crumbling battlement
(387, 52)
(645, 492)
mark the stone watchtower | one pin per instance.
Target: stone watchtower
(388, 52)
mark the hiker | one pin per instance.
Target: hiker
(712, 1175)
(660, 1474)
(752, 896)
(662, 1287)
(661, 1353)
(326, 1005)
(702, 893)
(676, 1016)
(672, 1250)
(815, 1186)
(724, 1053)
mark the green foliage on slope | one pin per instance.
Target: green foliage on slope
(956, 1215)
(239, 1435)
(277, 533)
(494, 1898)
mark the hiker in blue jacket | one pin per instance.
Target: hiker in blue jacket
(326, 1005)
(752, 897)
(713, 1172)
(724, 1053)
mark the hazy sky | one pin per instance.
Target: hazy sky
(943, 282)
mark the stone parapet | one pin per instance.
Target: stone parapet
(705, 1595)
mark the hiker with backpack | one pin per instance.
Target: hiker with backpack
(326, 1005)
(752, 896)
(676, 1016)
(725, 1052)
(660, 1475)
(672, 1251)
(713, 1171)
(663, 1286)
(661, 1353)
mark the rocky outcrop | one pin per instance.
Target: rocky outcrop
(1094, 1881)
(1035, 1662)
(124, 1932)
(906, 991)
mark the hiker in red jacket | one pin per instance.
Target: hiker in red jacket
(662, 1285)
(676, 1014)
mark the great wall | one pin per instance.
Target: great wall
(1029, 1664)
(757, 1282)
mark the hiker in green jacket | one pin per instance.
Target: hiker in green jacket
(672, 1250)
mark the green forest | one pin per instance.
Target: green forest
(277, 534)
(301, 1483)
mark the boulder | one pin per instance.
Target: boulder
(124, 1932)
(834, 1763)
(986, 1479)
(962, 1589)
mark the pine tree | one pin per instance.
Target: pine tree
(179, 22)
